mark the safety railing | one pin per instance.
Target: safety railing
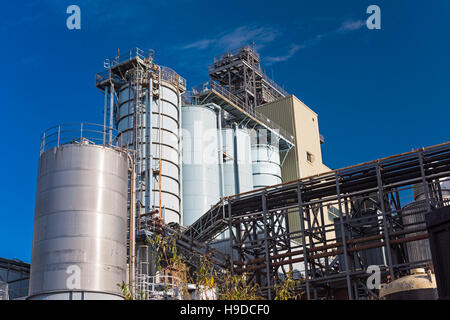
(157, 287)
(146, 55)
(255, 114)
(236, 51)
(275, 85)
(77, 133)
(171, 76)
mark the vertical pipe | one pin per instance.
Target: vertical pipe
(302, 228)
(111, 111)
(230, 227)
(105, 115)
(344, 239)
(324, 235)
(266, 245)
(148, 111)
(235, 160)
(180, 153)
(424, 181)
(385, 226)
(219, 134)
(160, 141)
(132, 227)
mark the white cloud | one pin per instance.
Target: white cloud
(237, 38)
(294, 49)
(352, 25)
(346, 26)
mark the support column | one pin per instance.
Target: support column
(302, 226)
(385, 225)
(266, 245)
(344, 239)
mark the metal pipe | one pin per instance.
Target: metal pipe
(266, 245)
(221, 170)
(344, 238)
(424, 181)
(111, 111)
(333, 253)
(132, 226)
(302, 226)
(105, 115)
(385, 225)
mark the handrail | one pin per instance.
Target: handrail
(90, 133)
(213, 85)
(167, 74)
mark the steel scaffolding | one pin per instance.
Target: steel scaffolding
(368, 203)
(240, 72)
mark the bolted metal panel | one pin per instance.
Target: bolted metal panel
(414, 217)
(266, 165)
(201, 178)
(237, 164)
(165, 126)
(80, 223)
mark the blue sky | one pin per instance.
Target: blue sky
(377, 92)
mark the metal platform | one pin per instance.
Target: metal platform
(214, 93)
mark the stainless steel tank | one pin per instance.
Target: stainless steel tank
(414, 217)
(237, 164)
(80, 225)
(266, 165)
(201, 177)
(165, 128)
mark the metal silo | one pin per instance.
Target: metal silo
(158, 150)
(201, 175)
(413, 216)
(266, 165)
(80, 225)
(237, 164)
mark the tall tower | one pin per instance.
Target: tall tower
(240, 72)
(142, 100)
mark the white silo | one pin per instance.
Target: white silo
(266, 165)
(237, 161)
(201, 164)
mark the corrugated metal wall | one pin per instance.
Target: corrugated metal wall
(281, 112)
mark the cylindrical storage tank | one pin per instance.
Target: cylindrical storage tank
(201, 177)
(266, 165)
(413, 217)
(419, 285)
(444, 185)
(80, 224)
(237, 164)
(165, 127)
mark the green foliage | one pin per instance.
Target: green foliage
(206, 278)
(286, 289)
(236, 287)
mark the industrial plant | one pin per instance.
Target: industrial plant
(226, 179)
